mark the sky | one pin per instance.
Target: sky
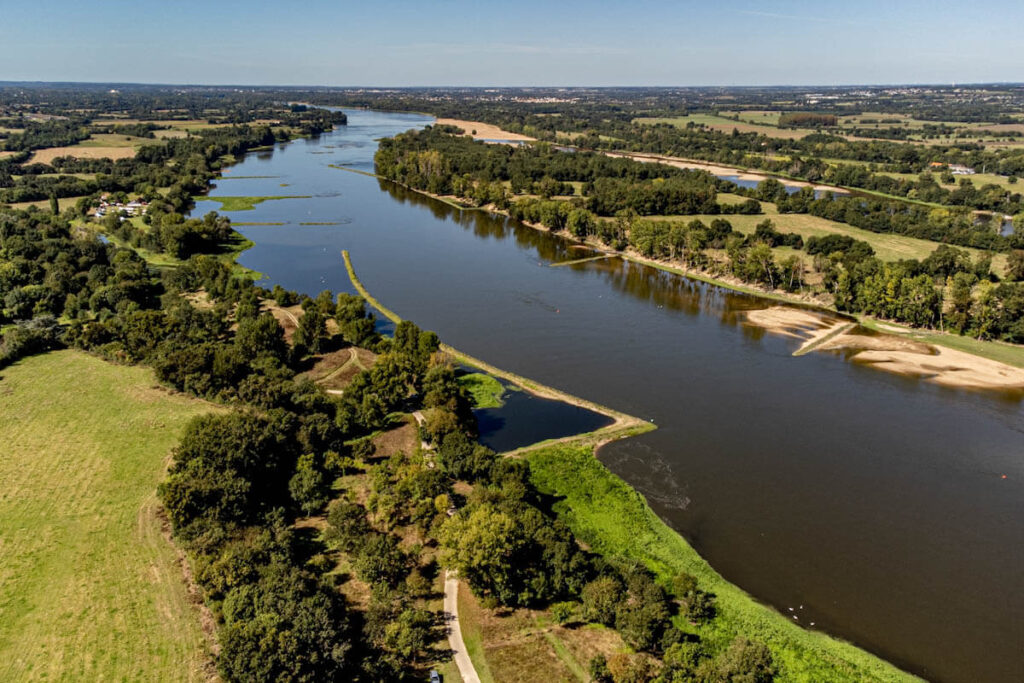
(525, 43)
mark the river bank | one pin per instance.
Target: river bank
(622, 425)
(950, 360)
(614, 519)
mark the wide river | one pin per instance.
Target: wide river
(874, 501)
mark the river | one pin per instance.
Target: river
(875, 501)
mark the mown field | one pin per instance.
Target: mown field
(613, 519)
(721, 123)
(90, 589)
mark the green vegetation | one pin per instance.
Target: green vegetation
(90, 588)
(244, 203)
(614, 520)
(621, 196)
(484, 390)
(888, 247)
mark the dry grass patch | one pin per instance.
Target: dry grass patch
(45, 156)
(888, 247)
(287, 317)
(62, 203)
(524, 645)
(483, 131)
(334, 371)
(405, 439)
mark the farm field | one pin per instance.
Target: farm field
(721, 123)
(90, 588)
(978, 179)
(766, 118)
(62, 203)
(97, 146)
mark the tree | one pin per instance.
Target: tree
(312, 330)
(410, 635)
(744, 661)
(600, 598)
(960, 301)
(286, 626)
(308, 486)
(580, 222)
(480, 547)
(261, 336)
(346, 525)
(380, 560)
(1015, 265)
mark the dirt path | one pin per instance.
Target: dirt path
(451, 615)
(353, 358)
(420, 420)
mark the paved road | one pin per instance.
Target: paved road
(451, 615)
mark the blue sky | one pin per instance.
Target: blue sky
(530, 42)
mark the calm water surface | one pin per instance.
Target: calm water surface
(874, 501)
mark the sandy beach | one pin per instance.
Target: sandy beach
(892, 353)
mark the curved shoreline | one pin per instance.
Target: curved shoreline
(677, 550)
(622, 425)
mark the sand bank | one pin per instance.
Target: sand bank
(938, 364)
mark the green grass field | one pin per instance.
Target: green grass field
(978, 179)
(614, 520)
(116, 140)
(484, 390)
(90, 589)
(763, 117)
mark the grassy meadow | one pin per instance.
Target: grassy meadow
(484, 390)
(90, 589)
(720, 123)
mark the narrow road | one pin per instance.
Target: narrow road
(451, 615)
